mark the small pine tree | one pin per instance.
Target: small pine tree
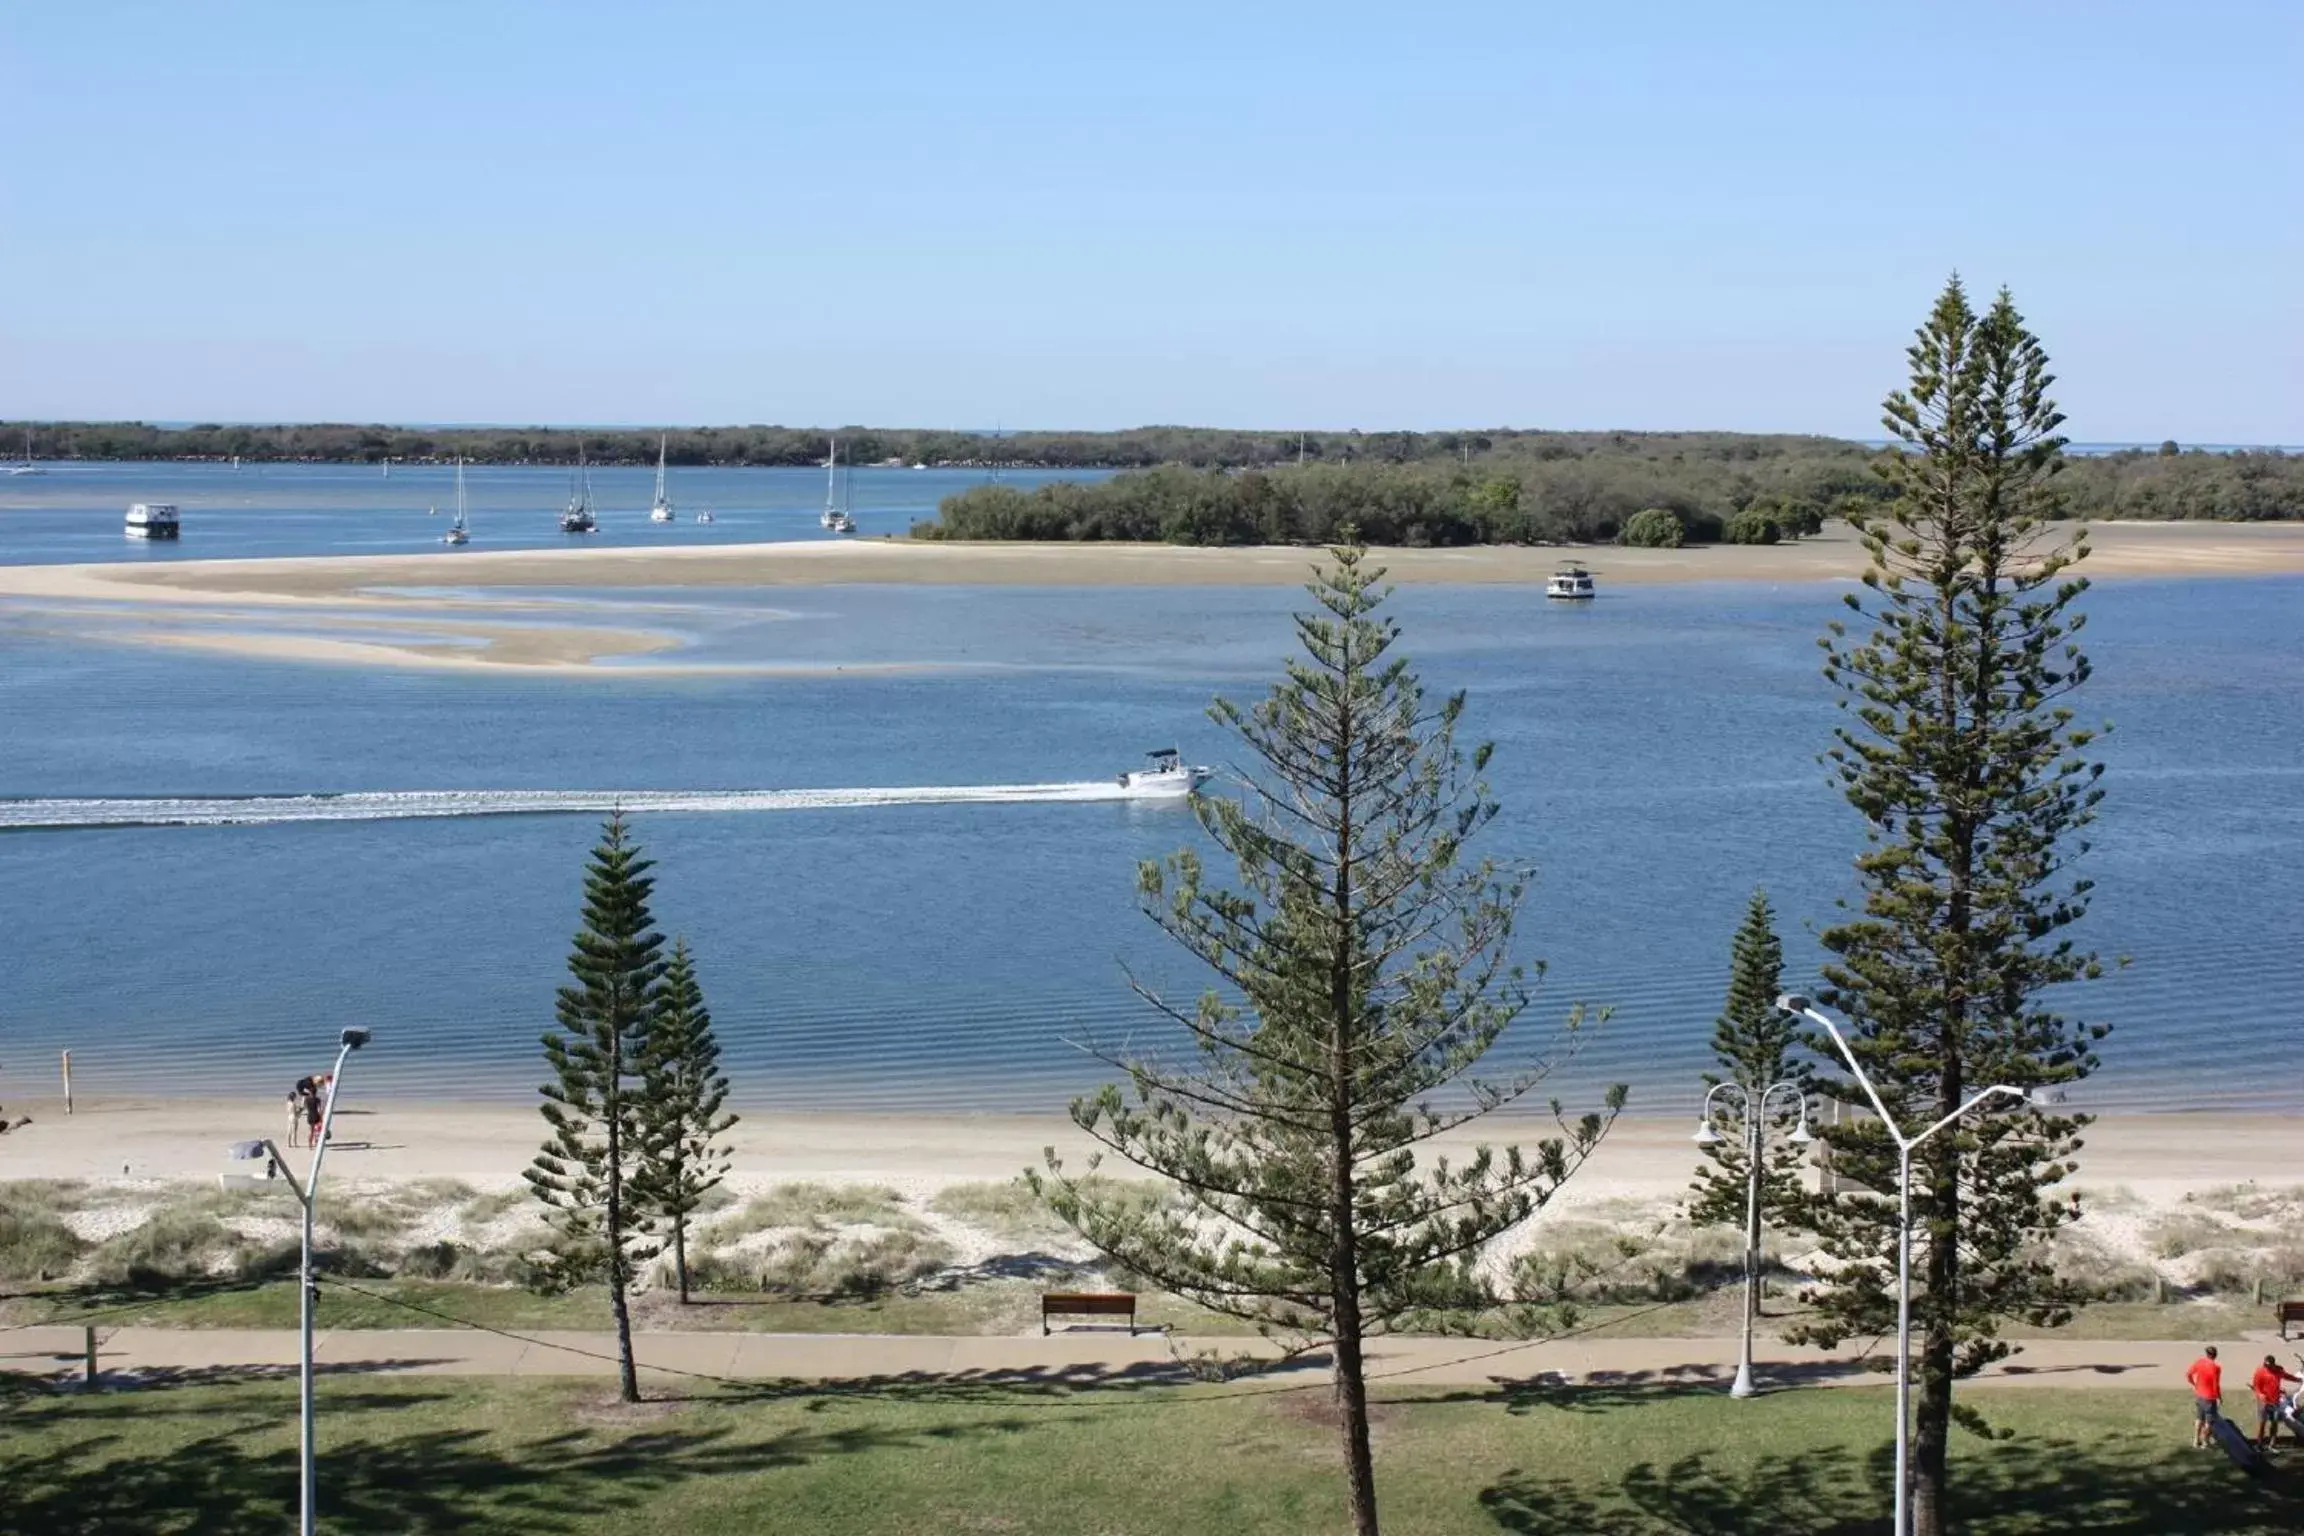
(1753, 1041)
(1372, 961)
(682, 1089)
(595, 1101)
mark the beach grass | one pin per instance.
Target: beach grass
(438, 1454)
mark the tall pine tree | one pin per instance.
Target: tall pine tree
(1370, 960)
(1962, 757)
(594, 1104)
(682, 1090)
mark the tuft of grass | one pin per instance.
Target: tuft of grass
(481, 1209)
(178, 1242)
(811, 1205)
(829, 1265)
(35, 1242)
(2177, 1233)
(2249, 1202)
(1007, 1209)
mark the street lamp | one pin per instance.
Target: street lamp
(1801, 1007)
(1755, 1109)
(307, 1194)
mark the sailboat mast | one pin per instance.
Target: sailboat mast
(660, 441)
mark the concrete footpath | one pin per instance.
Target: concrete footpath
(1078, 1359)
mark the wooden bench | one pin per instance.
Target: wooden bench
(2286, 1312)
(1087, 1304)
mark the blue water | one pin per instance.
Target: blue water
(73, 512)
(1657, 759)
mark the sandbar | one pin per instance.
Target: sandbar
(379, 594)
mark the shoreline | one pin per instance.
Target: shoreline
(2157, 1154)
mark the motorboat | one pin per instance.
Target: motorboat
(1571, 583)
(1164, 776)
(660, 510)
(152, 520)
(577, 517)
(458, 532)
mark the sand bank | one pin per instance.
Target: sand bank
(379, 594)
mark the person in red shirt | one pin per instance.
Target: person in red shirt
(2266, 1385)
(2207, 1378)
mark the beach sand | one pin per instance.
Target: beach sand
(378, 595)
(2157, 1158)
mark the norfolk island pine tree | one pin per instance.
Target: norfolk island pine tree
(594, 1104)
(1373, 969)
(1961, 756)
(682, 1156)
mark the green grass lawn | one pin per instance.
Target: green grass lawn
(423, 1455)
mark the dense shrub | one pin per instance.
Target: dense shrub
(1654, 528)
(1752, 526)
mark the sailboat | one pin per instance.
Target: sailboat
(27, 467)
(457, 533)
(835, 515)
(577, 517)
(660, 510)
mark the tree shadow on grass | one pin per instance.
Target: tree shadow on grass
(2124, 1485)
(222, 1482)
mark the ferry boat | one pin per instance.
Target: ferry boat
(1165, 776)
(1574, 584)
(152, 520)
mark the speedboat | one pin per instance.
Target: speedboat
(1165, 776)
(1573, 583)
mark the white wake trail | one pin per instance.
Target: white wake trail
(398, 805)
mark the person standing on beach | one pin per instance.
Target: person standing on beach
(2265, 1384)
(2207, 1378)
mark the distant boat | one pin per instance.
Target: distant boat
(835, 516)
(27, 467)
(152, 520)
(387, 469)
(577, 517)
(457, 532)
(235, 461)
(660, 510)
(1572, 583)
(704, 516)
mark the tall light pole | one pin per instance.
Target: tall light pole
(1755, 1109)
(307, 1195)
(1793, 1003)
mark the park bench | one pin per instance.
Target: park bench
(1088, 1304)
(2286, 1312)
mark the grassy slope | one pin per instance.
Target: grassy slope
(559, 1457)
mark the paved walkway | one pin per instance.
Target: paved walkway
(1073, 1359)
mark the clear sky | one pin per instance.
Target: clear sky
(1094, 215)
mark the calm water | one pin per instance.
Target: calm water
(73, 512)
(1657, 760)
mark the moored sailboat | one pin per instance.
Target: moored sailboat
(835, 515)
(577, 517)
(660, 510)
(457, 532)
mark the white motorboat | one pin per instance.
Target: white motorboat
(660, 510)
(835, 516)
(152, 520)
(577, 517)
(1571, 583)
(457, 532)
(1165, 776)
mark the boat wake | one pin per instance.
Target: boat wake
(405, 805)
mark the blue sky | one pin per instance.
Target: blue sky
(1534, 214)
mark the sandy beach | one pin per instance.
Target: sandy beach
(2157, 1159)
(203, 604)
